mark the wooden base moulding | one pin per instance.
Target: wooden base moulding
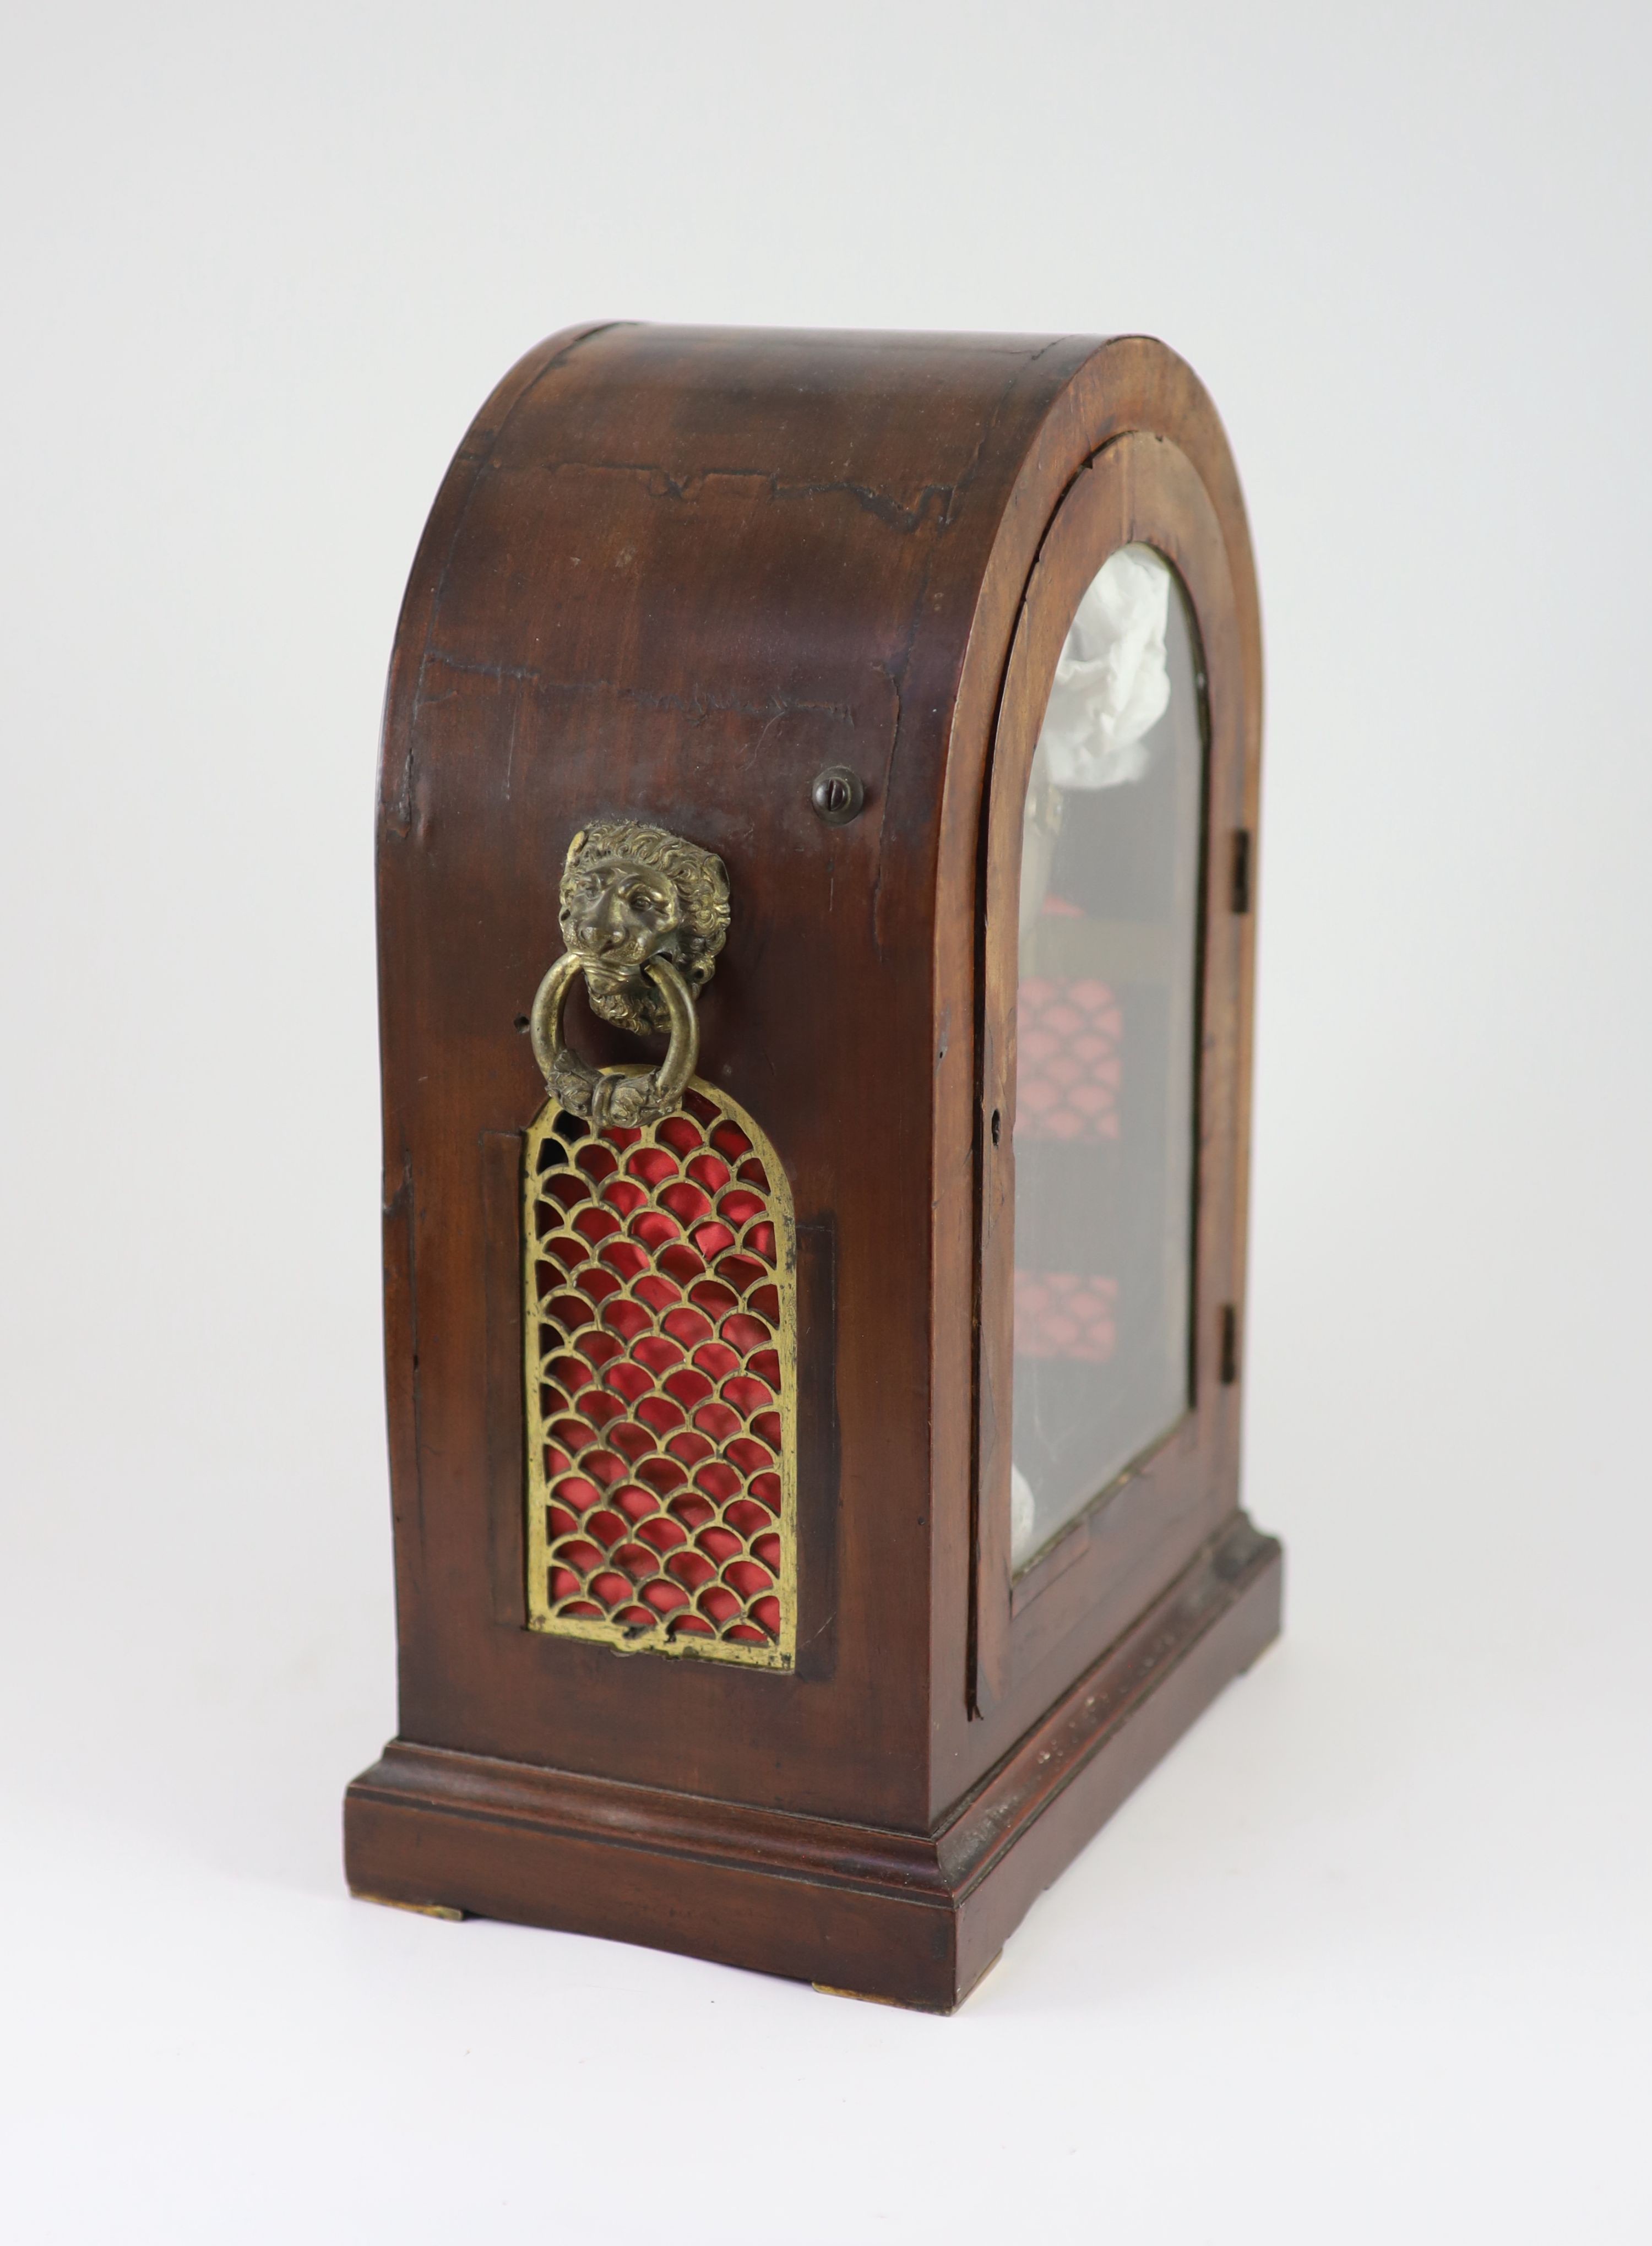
(913, 1918)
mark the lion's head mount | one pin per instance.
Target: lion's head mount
(632, 893)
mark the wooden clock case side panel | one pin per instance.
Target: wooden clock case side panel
(1006, 1661)
(397, 783)
(657, 584)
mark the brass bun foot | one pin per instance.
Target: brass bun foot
(902, 2004)
(424, 1910)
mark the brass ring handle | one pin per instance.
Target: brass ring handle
(625, 1095)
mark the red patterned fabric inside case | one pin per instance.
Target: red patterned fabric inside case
(1070, 1034)
(1067, 1083)
(1065, 1314)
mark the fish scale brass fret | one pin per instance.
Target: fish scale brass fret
(659, 1299)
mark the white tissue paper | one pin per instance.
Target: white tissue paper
(1113, 683)
(1022, 1516)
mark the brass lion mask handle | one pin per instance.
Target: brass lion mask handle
(644, 916)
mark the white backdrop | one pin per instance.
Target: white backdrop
(1367, 1959)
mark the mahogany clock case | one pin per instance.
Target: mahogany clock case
(674, 576)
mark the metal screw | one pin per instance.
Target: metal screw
(838, 795)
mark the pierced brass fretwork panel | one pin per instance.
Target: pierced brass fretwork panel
(659, 1269)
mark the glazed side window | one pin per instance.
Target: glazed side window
(1106, 1026)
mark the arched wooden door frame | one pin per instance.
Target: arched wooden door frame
(1137, 1534)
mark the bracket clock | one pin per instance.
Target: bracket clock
(816, 845)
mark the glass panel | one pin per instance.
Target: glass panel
(1105, 1048)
